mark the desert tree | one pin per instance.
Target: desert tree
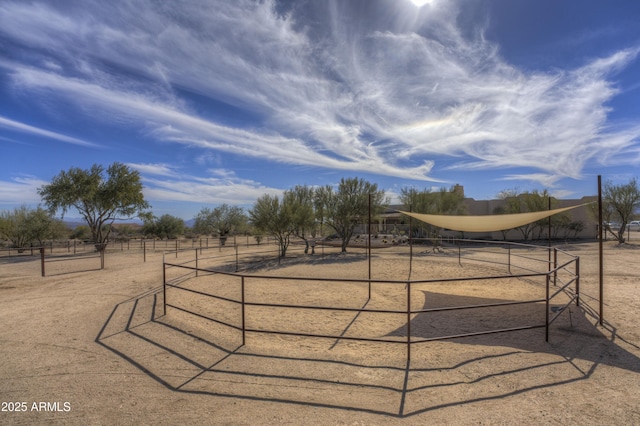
(45, 227)
(273, 216)
(300, 202)
(81, 232)
(618, 204)
(348, 206)
(444, 201)
(220, 221)
(100, 199)
(14, 227)
(525, 202)
(125, 231)
(536, 201)
(165, 226)
(23, 226)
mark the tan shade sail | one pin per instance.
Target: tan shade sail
(487, 223)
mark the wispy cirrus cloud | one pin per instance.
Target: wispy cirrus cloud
(20, 190)
(167, 183)
(345, 90)
(17, 126)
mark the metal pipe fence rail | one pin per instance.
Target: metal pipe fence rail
(67, 259)
(241, 282)
(133, 244)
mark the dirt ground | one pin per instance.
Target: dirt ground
(89, 346)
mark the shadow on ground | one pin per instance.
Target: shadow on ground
(190, 359)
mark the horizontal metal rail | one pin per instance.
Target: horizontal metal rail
(205, 317)
(50, 259)
(325, 336)
(477, 333)
(485, 305)
(562, 309)
(551, 275)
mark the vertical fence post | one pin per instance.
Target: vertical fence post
(104, 247)
(164, 286)
(176, 248)
(600, 252)
(577, 281)
(144, 251)
(410, 243)
(197, 270)
(555, 266)
(42, 260)
(235, 247)
(546, 316)
(408, 323)
(369, 245)
(243, 310)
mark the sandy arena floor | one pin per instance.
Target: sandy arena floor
(86, 346)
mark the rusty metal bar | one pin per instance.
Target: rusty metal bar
(42, 261)
(555, 266)
(244, 329)
(369, 245)
(197, 269)
(408, 322)
(546, 311)
(600, 255)
(578, 281)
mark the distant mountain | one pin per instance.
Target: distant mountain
(74, 222)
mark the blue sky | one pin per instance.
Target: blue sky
(224, 101)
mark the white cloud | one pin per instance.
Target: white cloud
(25, 128)
(164, 182)
(392, 97)
(546, 180)
(155, 169)
(221, 187)
(21, 190)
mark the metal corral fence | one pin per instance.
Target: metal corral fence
(225, 281)
(71, 263)
(63, 257)
(134, 244)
